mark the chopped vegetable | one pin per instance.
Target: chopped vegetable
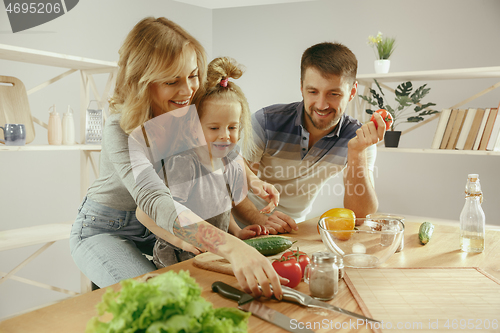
(167, 303)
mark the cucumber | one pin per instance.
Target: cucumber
(425, 232)
(269, 246)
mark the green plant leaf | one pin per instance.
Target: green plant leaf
(404, 101)
(378, 86)
(379, 98)
(369, 100)
(386, 47)
(414, 119)
(404, 89)
(423, 106)
(420, 93)
(428, 112)
(369, 111)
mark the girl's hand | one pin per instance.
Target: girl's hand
(253, 230)
(267, 192)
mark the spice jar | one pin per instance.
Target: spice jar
(322, 275)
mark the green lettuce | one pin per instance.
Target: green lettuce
(167, 303)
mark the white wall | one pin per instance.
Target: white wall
(269, 41)
(38, 188)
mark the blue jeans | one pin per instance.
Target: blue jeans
(108, 245)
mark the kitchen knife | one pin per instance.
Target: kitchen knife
(247, 303)
(295, 296)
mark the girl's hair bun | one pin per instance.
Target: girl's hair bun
(221, 69)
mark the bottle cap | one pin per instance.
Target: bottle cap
(473, 176)
(54, 111)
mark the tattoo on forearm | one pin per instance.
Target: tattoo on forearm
(186, 233)
(200, 235)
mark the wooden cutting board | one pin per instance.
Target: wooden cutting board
(427, 299)
(213, 262)
(14, 106)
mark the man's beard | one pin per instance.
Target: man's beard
(322, 126)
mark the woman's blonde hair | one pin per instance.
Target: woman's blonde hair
(155, 49)
(218, 86)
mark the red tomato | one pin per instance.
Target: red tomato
(299, 256)
(386, 116)
(290, 269)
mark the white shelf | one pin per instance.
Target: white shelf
(438, 151)
(443, 74)
(50, 233)
(16, 238)
(22, 54)
(50, 148)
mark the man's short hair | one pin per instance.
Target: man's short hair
(330, 59)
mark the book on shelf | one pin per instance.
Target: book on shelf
(457, 127)
(481, 129)
(488, 128)
(496, 146)
(474, 129)
(449, 127)
(495, 133)
(466, 127)
(441, 127)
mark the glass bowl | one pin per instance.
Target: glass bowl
(370, 244)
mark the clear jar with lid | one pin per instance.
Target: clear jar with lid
(322, 275)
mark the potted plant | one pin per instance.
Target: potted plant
(383, 46)
(401, 113)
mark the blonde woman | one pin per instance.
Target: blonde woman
(161, 69)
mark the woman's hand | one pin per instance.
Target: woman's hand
(253, 230)
(252, 269)
(249, 266)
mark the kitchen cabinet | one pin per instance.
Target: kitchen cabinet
(49, 233)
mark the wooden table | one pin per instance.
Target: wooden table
(71, 315)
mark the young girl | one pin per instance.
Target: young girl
(209, 178)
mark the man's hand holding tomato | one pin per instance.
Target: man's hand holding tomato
(368, 134)
(385, 115)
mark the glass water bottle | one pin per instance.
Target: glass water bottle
(472, 219)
